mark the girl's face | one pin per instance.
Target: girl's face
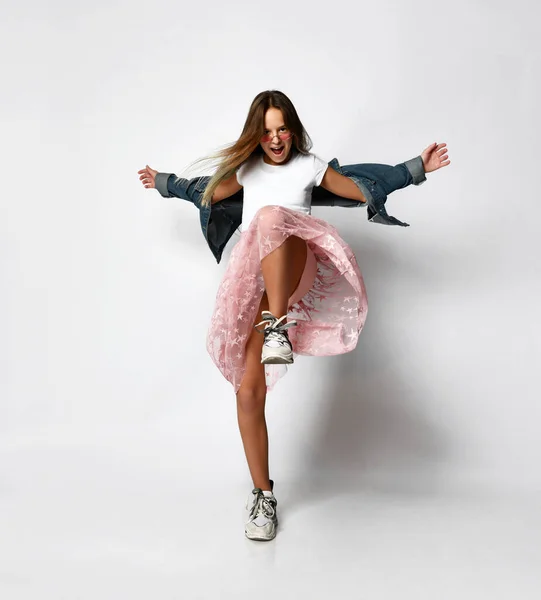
(277, 139)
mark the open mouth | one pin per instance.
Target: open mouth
(278, 151)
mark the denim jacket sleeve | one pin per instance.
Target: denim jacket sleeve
(171, 186)
(377, 181)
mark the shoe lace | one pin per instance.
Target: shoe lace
(274, 328)
(263, 505)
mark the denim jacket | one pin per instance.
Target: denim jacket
(220, 220)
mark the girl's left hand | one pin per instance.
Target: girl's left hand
(435, 157)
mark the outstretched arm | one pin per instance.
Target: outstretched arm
(376, 181)
(168, 184)
(341, 185)
(391, 178)
(171, 186)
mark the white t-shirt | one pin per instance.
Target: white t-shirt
(288, 185)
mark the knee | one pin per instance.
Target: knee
(251, 400)
(269, 218)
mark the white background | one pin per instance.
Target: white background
(408, 467)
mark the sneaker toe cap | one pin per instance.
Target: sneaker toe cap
(267, 531)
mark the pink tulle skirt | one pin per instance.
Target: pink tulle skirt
(330, 313)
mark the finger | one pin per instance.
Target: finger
(444, 157)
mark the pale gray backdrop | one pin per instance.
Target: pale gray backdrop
(108, 394)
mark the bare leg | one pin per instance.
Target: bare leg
(251, 399)
(252, 394)
(282, 270)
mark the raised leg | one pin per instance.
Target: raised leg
(282, 270)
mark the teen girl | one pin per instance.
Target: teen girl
(292, 285)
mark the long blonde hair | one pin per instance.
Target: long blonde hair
(233, 155)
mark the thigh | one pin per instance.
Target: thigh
(254, 376)
(298, 262)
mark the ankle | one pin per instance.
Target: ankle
(278, 311)
(263, 484)
(268, 484)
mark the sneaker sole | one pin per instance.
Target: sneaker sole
(262, 539)
(277, 359)
(259, 539)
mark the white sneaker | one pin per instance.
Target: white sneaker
(277, 348)
(262, 518)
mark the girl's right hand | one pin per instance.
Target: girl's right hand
(148, 177)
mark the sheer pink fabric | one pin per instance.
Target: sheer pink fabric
(330, 316)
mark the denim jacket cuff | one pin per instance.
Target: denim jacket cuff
(160, 182)
(416, 168)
